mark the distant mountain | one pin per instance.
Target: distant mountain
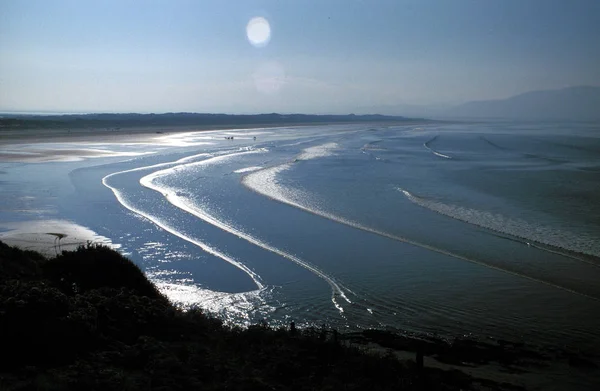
(8, 121)
(575, 103)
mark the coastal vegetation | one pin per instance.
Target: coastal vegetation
(90, 319)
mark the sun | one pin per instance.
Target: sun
(258, 31)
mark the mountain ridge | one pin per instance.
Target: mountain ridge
(575, 103)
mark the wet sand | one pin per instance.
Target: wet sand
(21, 145)
(49, 237)
(126, 134)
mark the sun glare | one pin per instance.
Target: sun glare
(258, 31)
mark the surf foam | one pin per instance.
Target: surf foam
(511, 226)
(426, 145)
(165, 226)
(248, 169)
(265, 182)
(317, 151)
(173, 195)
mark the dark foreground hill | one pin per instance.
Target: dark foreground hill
(90, 320)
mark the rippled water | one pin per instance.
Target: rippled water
(481, 229)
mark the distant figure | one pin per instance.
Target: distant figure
(254, 138)
(292, 328)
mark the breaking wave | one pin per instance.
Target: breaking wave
(317, 151)
(173, 195)
(265, 182)
(247, 169)
(166, 226)
(520, 228)
(427, 145)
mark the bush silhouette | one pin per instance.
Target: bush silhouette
(21, 264)
(94, 267)
(90, 320)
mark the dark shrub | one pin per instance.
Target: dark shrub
(96, 267)
(15, 263)
(36, 325)
(90, 320)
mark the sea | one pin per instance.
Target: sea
(485, 230)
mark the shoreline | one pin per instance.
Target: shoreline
(50, 237)
(121, 134)
(25, 142)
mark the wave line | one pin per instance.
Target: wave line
(122, 200)
(426, 145)
(183, 203)
(253, 182)
(521, 230)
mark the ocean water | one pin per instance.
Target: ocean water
(487, 229)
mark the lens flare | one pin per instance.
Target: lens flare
(258, 31)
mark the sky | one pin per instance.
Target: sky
(308, 56)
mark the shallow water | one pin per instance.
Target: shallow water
(481, 229)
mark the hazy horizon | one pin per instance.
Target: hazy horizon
(269, 56)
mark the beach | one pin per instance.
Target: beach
(393, 227)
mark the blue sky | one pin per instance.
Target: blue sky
(322, 56)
